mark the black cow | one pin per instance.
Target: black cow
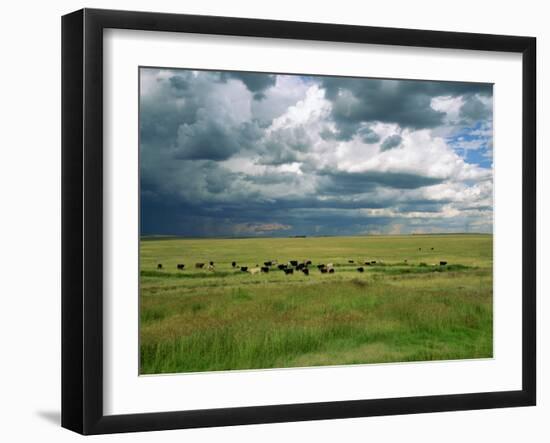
(289, 271)
(180, 267)
(244, 268)
(281, 267)
(432, 249)
(442, 263)
(350, 261)
(265, 269)
(373, 262)
(367, 263)
(323, 270)
(308, 262)
(268, 263)
(321, 266)
(300, 266)
(159, 266)
(331, 271)
(294, 262)
(211, 263)
(233, 263)
(199, 265)
(305, 271)
(360, 269)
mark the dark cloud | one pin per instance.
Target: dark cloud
(339, 182)
(345, 131)
(243, 219)
(180, 82)
(205, 139)
(256, 83)
(403, 102)
(474, 110)
(368, 136)
(393, 141)
(273, 178)
(424, 206)
(187, 116)
(210, 139)
(191, 122)
(160, 115)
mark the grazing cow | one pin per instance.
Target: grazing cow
(268, 263)
(180, 267)
(305, 271)
(233, 263)
(442, 263)
(308, 262)
(321, 267)
(331, 271)
(360, 269)
(350, 261)
(244, 268)
(300, 266)
(293, 262)
(199, 265)
(289, 271)
(254, 271)
(265, 269)
(281, 267)
(323, 270)
(211, 263)
(373, 262)
(159, 266)
(367, 263)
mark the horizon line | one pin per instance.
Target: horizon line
(166, 236)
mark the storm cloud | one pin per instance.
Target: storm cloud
(253, 154)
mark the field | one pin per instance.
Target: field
(406, 307)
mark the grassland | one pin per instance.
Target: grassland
(406, 307)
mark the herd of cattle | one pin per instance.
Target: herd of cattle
(288, 268)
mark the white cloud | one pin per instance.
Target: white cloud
(450, 106)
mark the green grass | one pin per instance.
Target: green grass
(198, 320)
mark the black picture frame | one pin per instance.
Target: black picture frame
(82, 218)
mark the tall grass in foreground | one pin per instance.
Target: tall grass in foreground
(332, 324)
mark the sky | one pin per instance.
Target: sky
(237, 154)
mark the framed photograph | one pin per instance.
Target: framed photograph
(269, 221)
